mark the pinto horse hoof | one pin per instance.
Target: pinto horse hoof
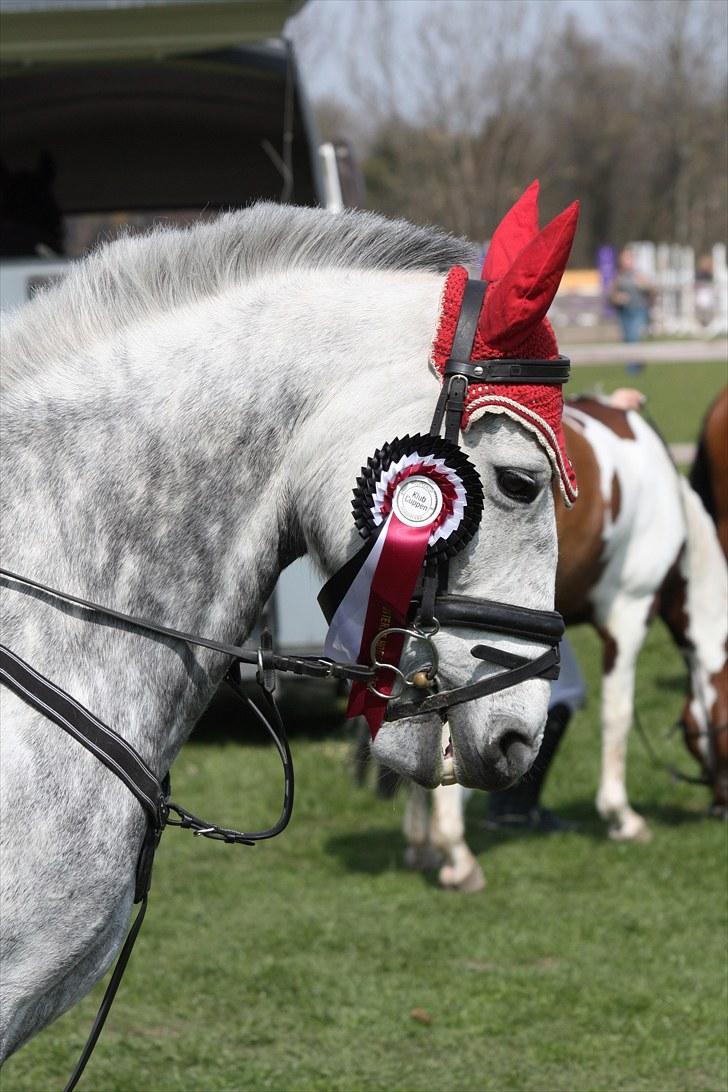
(473, 881)
(718, 811)
(632, 830)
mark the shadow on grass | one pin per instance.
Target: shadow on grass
(376, 851)
(674, 683)
(372, 851)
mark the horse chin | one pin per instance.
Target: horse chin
(413, 748)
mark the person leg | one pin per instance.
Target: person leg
(519, 806)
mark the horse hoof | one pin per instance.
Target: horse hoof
(632, 830)
(422, 858)
(718, 811)
(473, 881)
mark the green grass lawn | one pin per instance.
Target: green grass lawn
(677, 394)
(584, 966)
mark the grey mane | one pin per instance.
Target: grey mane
(136, 277)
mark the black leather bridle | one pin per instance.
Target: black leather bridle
(432, 608)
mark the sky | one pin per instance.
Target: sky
(319, 26)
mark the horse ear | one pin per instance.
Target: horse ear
(521, 298)
(516, 230)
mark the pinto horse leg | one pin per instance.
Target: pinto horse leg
(461, 871)
(622, 636)
(420, 854)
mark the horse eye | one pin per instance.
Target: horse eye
(517, 484)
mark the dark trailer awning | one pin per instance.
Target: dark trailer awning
(131, 126)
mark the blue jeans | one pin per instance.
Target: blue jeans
(634, 322)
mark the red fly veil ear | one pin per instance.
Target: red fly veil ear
(516, 230)
(523, 267)
(523, 295)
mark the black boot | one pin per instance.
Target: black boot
(518, 808)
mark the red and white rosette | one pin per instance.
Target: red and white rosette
(417, 498)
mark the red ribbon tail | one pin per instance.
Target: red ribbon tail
(393, 585)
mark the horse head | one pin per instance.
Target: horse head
(512, 434)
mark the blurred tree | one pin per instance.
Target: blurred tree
(678, 49)
(488, 95)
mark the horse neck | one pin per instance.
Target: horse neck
(171, 486)
(695, 596)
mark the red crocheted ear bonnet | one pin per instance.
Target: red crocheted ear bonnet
(524, 267)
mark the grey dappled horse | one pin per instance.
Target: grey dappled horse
(183, 416)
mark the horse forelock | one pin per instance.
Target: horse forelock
(138, 277)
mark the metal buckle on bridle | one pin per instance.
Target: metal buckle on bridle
(430, 668)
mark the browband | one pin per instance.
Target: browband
(512, 370)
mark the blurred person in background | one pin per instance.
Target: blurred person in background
(631, 295)
(520, 808)
(704, 291)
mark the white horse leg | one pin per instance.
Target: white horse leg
(461, 871)
(420, 854)
(628, 620)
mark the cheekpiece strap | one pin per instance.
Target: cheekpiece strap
(467, 327)
(451, 402)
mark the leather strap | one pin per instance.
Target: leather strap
(451, 402)
(315, 666)
(505, 618)
(511, 371)
(545, 666)
(457, 389)
(124, 761)
(108, 998)
(105, 744)
(467, 327)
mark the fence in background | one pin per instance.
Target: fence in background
(690, 299)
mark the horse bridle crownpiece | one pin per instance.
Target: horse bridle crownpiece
(431, 608)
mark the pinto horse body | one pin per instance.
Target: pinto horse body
(183, 416)
(638, 542)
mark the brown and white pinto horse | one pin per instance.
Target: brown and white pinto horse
(656, 551)
(638, 542)
(709, 479)
(709, 475)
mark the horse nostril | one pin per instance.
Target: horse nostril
(511, 742)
